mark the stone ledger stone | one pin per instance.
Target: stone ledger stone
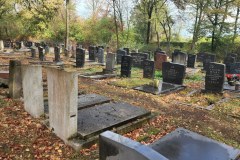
(63, 102)
(33, 90)
(15, 79)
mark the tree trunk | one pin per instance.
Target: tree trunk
(236, 25)
(67, 28)
(116, 25)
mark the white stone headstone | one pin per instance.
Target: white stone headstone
(1, 45)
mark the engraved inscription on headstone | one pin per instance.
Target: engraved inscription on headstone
(120, 53)
(148, 69)
(80, 57)
(215, 75)
(191, 60)
(138, 59)
(173, 73)
(126, 66)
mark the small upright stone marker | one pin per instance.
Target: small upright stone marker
(80, 57)
(92, 51)
(120, 53)
(191, 60)
(126, 66)
(100, 55)
(63, 102)
(173, 73)
(15, 79)
(215, 75)
(33, 90)
(148, 69)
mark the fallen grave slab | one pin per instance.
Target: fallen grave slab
(183, 144)
(165, 88)
(94, 120)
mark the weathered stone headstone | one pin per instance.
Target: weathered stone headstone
(179, 57)
(234, 68)
(63, 102)
(100, 55)
(47, 49)
(208, 58)
(80, 57)
(148, 69)
(92, 50)
(173, 73)
(158, 52)
(138, 59)
(33, 90)
(41, 54)
(191, 60)
(127, 50)
(228, 61)
(126, 66)
(15, 79)
(1, 45)
(120, 53)
(159, 59)
(57, 54)
(33, 52)
(215, 75)
(110, 62)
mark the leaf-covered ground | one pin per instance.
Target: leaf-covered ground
(23, 137)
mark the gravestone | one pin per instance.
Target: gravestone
(33, 52)
(47, 49)
(149, 54)
(234, 68)
(148, 69)
(41, 54)
(191, 60)
(228, 61)
(200, 56)
(120, 53)
(173, 73)
(63, 102)
(29, 44)
(57, 54)
(126, 66)
(7, 44)
(159, 59)
(138, 58)
(215, 75)
(179, 57)
(100, 55)
(80, 57)
(33, 90)
(92, 50)
(37, 44)
(110, 64)
(127, 50)
(208, 58)
(1, 45)
(15, 79)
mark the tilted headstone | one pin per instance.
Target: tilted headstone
(138, 59)
(15, 79)
(101, 55)
(33, 52)
(234, 68)
(80, 57)
(33, 90)
(120, 53)
(159, 59)
(126, 66)
(214, 79)
(127, 50)
(228, 61)
(179, 57)
(173, 73)
(191, 60)
(57, 54)
(92, 51)
(148, 69)
(208, 58)
(116, 147)
(41, 54)
(62, 102)
(1, 45)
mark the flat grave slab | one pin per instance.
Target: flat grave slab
(165, 88)
(94, 120)
(183, 144)
(100, 76)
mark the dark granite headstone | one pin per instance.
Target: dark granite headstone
(7, 44)
(215, 75)
(120, 53)
(15, 79)
(200, 56)
(37, 44)
(80, 57)
(92, 50)
(138, 59)
(234, 68)
(126, 66)
(159, 59)
(179, 57)
(41, 54)
(148, 69)
(208, 58)
(173, 73)
(228, 61)
(127, 50)
(100, 55)
(57, 54)
(33, 52)
(191, 60)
